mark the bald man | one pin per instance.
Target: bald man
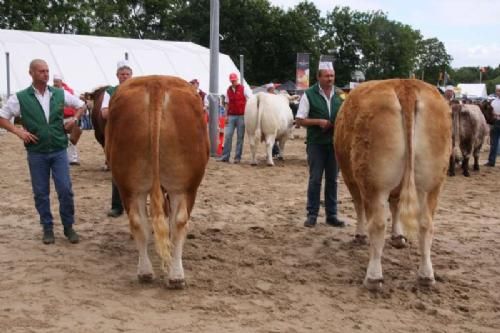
(44, 135)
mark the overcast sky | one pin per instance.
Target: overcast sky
(470, 29)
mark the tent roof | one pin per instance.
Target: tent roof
(473, 89)
(86, 62)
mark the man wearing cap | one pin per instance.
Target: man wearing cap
(236, 98)
(44, 135)
(495, 128)
(449, 93)
(69, 116)
(123, 73)
(317, 111)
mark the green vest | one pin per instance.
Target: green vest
(51, 135)
(111, 90)
(319, 110)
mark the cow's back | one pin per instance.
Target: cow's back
(183, 139)
(370, 132)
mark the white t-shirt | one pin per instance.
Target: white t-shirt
(12, 108)
(303, 110)
(495, 104)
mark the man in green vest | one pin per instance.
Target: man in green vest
(123, 73)
(317, 111)
(44, 135)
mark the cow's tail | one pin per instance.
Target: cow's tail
(158, 102)
(408, 200)
(252, 124)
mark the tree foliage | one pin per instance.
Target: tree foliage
(268, 36)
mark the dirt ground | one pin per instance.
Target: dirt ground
(250, 264)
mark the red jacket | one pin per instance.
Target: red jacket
(68, 111)
(237, 101)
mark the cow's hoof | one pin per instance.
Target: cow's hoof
(374, 285)
(145, 278)
(360, 239)
(270, 164)
(451, 174)
(105, 168)
(398, 241)
(253, 163)
(426, 282)
(466, 174)
(280, 158)
(176, 284)
(476, 167)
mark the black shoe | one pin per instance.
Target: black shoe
(113, 212)
(310, 222)
(74, 163)
(489, 164)
(236, 161)
(335, 222)
(48, 236)
(71, 235)
(222, 160)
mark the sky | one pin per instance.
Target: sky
(466, 27)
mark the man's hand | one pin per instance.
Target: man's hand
(324, 124)
(68, 127)
(26, 136)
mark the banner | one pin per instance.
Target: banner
(302, 74)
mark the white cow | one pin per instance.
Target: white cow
(268, 117)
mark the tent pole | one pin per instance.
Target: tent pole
(7, 63)
(126, 55)
(213, 96)
(242, 68)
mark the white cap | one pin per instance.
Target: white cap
(58, 77)
(325, 65)
(450, 88)
(497, 87)
(269, 85)
(123, 63)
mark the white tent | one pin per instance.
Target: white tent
(472, 90)
(86, 62)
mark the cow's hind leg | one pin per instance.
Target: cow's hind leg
(476, 152)
(178, 230)
(140, 229)
(465, 166)
(428, 203)
(375, 215)
(360, 235)
(270, 139)
(397, 239)
(253, 148)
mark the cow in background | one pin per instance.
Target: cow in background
(157, 146)
(392, 141)
(469, 128)
(268, 117)
(94, 101)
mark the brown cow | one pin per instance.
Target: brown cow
(98, 122)
(156, 143)
(469, 128)
(393, 142)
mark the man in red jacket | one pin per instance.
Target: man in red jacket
(69, 116)
(236, 99)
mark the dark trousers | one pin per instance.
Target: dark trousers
(494, 137)
(321, 159)
(41, 166)
(116, 201)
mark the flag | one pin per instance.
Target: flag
(302, 72)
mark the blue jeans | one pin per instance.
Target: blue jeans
(41, 165)
(494, 137)
(238, 123)
(321, 159)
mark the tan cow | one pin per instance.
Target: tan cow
(156, 143)
(393, 142)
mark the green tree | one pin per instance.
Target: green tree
(432, 60)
